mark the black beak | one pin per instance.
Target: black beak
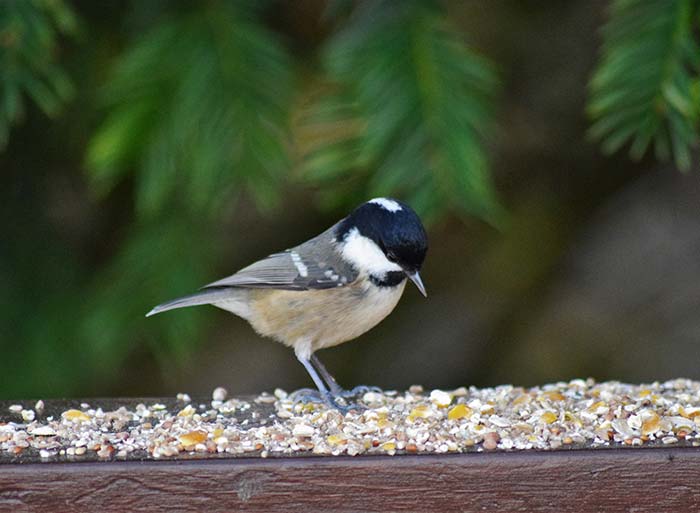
(415, 278)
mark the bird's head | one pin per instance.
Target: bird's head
(385, 238)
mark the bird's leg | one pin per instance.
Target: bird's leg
(309, 394)
(325, 394)
(333, 385)
(303, 351)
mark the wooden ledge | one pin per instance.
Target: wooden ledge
(654, 480)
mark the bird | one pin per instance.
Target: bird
(328, 290)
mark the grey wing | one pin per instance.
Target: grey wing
(312, 265)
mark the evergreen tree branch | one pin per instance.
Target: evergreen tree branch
(198, 109)
(644, 90)
(406, 113)
(29, 30)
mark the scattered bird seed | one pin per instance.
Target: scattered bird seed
(42, 431)
(440, 398)
(219, 394)
(303, 430)
(577, 413)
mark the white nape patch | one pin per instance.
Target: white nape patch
(386, 204)
(301, 267)
(365, 255)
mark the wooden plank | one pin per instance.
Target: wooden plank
(611, 480)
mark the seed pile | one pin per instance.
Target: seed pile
(580, 413)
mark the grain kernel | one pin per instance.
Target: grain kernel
(651, 425)
(75, 415)
(459, 411)
(549, 417)
(192, 438)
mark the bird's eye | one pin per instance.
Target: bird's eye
(391, 256)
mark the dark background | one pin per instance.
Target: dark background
(561, 262)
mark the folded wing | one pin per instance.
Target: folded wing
(312, 265)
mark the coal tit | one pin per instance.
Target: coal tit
(328, 290)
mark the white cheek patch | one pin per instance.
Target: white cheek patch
(301, 267)
(386, 204)
(365, 255)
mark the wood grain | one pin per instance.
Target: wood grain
(654, 480)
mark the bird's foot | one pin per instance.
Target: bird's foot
(338, 402)
(306, 396)
(355, 392)
(344, 407)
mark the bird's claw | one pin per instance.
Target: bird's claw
(310, 395)
(306, 396)
(345, 407)
(357, 391)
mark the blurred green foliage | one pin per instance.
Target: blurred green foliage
(207, 104)
(28, 42)
(159, 259)
(646, 89)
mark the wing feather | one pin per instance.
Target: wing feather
(312, 265)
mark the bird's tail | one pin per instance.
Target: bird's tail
(214, 295)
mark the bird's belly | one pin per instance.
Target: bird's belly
(323, 318)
